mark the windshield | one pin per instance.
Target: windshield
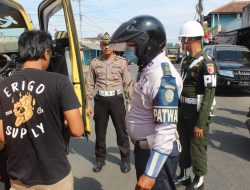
(12, 25)
(173, 51)
(243, 56)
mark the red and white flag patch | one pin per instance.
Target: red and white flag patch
(210, 68)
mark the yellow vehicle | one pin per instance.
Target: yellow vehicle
(173, 54)
(66, 57)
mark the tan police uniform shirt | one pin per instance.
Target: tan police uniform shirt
(108, 75)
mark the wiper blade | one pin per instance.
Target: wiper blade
(229, 60)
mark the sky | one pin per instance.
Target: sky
(100, 16)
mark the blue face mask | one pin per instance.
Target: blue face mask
(130, 55)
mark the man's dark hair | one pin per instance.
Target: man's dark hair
(32, 45)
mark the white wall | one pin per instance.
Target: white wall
(246, 17)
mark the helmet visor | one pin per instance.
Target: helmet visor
(118, 46)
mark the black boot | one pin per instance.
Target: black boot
(182, 179)
(125, 167)
(98, 166)
(197, 184)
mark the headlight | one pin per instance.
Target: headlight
(226, 73)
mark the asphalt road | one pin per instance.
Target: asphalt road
(228, 152)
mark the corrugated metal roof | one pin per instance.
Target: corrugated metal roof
(96, 46)
(233, 7)
(91, 45)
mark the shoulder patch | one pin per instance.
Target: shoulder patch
(210, 68)
(165, 69)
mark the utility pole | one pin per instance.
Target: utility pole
(200, 11)
(80, 16)
(80, 12)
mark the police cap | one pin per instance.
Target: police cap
(105, 38)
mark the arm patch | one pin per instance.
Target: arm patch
(210, 81)
(165, 103)
(155, 163)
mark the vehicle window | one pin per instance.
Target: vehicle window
(208, 51)
(57, 23)
(12, 25)
(58, 31)
(172, 51)
(243, 56)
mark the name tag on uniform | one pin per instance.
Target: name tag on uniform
(98, 70)
(165, 114)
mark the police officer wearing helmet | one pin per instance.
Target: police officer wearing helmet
(108, 76)
(152, 117)
(199, 82)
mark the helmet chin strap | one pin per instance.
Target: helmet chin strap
(141, 64)
(185, 47)
(145, 57)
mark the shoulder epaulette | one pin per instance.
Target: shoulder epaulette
(95, 60)
(207, 58)
(119, 58)
(100, 58)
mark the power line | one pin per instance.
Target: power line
(94, 23)
(212, 3)
(101, 10)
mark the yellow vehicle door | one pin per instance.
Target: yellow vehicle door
(13, 22)
(71, 62)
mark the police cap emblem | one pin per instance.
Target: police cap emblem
(105, 38)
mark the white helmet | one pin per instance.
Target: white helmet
(191, 29)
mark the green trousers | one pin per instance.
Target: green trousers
(194, 150)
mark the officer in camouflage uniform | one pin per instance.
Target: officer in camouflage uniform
(108, 76)
(199, 82)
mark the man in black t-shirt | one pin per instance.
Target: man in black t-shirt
(33, 106)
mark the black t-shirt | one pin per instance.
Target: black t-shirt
(32, 103)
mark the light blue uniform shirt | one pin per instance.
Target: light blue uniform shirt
(143, 121)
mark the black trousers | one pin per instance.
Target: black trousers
(110, 106)
(164, 180)
(3, 169)
(194, 150)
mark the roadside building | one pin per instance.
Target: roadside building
(90, 48)
(237, 31)
(231, 13)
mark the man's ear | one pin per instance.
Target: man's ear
(47, 53)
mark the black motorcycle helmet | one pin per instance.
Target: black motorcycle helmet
(145, 31)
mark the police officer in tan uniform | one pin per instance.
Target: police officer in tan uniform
(107, 79)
